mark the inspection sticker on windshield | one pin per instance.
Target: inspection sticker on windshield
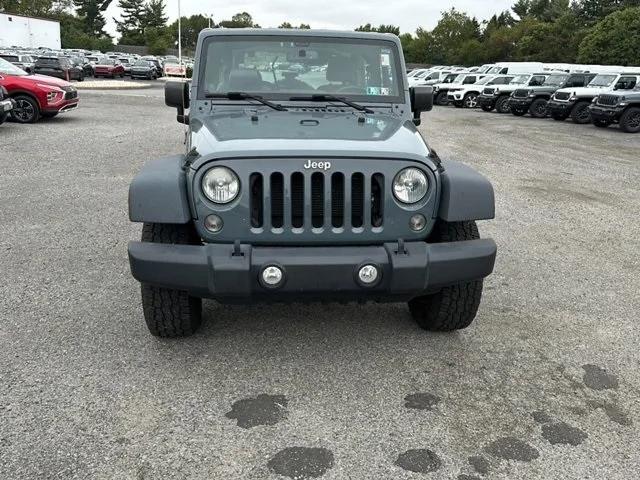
(373, 90)
(385, 59)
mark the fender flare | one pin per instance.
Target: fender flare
(158, 193)
(466, 194)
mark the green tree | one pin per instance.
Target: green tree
(191, 28)
(614, 40)
(380, 29)
(452, 31)
(155, 14)
(591, 11)
(303, 26)
(550, 41)
(91, 11)
(239, 20)
(158, 40)
(131, 26)
(35, 8)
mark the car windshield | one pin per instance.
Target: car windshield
(458, 78)
(485, 80)
(555, 80)
(10, 69)
(106, 61)
(603, 80)
(520, 79)
(278, 66)
(141, 63)
(47, 61)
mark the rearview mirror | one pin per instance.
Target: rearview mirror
(421, 101)
(176, 94)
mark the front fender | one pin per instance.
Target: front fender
(158, 194)
(466, 194)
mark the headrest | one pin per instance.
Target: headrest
(244, 80)
(341, 69)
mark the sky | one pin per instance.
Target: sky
(332, 14)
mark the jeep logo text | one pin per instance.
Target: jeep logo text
(318, 165)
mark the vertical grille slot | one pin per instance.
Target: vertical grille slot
(277, 200)
(317, 200)
(337, 200)
(257, 190)
(297, 200)
(357, 200)
(377, 203)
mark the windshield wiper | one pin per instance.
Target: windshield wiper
(331, 98)
(246, 96)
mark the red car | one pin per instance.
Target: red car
(107, 67)
(36, 95)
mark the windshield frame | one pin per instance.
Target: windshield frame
(397, 65)
(565, 77)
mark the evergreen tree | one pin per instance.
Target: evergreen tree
(91, 12)
(155, 14)
(131, 26)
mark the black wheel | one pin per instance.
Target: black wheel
(441, 99)
(518, 112)
(3, 117)
(170, 313)
(487, 108)
(502, 105)
(470, 100)
(580, 113)
(49, 114)
(601, 123)
(454, 307)
(538, 108)
(26, 111)
(630, 120)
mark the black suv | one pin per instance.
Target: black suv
(609, 108)
(534, 100)
(60, 67)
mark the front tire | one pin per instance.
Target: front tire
(502, 105)
(454, 307)
(630, 120)
(441, 99)
(471, 100)
(27, 110)
(580, 113)
(538, 108)
(170, 313)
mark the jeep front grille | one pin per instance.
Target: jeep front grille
(488, 91)
(563, 96)
(608, 100)
(315, 200)
(521, 93)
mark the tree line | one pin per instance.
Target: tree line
(562, 31)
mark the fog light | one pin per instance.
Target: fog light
(213, 223)
(417, 223)
(272, 276)
(368, 274)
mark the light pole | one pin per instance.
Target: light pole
(179, 35)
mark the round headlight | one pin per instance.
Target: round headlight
(410, 185)
(220, 185)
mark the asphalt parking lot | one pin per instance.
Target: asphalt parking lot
(544, 385)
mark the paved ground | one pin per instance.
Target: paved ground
(545, 384)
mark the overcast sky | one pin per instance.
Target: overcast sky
(336, 14)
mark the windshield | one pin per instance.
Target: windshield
(484, 81)
(10, 69)
(495, 70)
(520, 79)
(555, 80)
(458, 78)
(141, 63)
(278, 66)
(603, 80)
(106, 61)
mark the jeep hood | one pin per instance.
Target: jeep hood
(300, 133)
(585, 91)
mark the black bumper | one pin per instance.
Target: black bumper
(229, 274)
(520, 103)
(560, 109)
(487, 101)
(611, 114)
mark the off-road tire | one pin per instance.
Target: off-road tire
(601, 123)
(518, 112)
(30, 112)
(538, 108)
(630, 120)
(453, 307)
(502, 105)
(486, 108)
(170, 313)
(441, 99)
(580, 113)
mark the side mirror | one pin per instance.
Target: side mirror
(176, 94)
(421, 101)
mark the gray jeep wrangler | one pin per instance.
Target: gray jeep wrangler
(306, 179)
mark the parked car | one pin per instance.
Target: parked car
(574, 102)
(144, 69)
(25, 62)
(534, 100)
(441, 90)
(108, 67)
(498, 96)
(6, 104)
(623, 109)
(469, 95)
(36, 95)
(59, 67)
(126, 64)
(83, 63)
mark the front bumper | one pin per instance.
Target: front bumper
(520, 103)
(487, 100)
(231, 273)
(561, 109)
(63, 107)
(610, 114)
(455, 96)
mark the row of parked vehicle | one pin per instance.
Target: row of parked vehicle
(601, 95)
(80, 64)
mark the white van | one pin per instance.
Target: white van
(505, 68)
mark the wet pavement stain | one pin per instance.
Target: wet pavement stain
(614, 412)
(511, 448)
(479, 464)
(261, 410)
(301, 462)
(541, 417)
(563, 434)
(421, 401)
(597, 378)
(419, 460)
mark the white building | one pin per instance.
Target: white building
(19, 31)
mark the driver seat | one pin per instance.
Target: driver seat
(341, 72)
